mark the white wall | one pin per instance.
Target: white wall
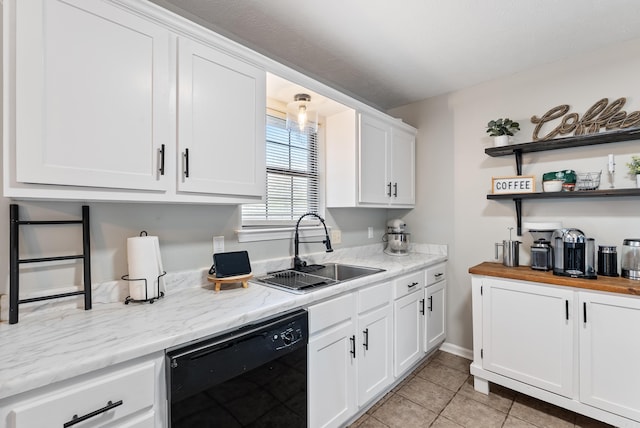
(454, 174)
(185, 233)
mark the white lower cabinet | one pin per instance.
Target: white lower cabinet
(576, 349)
(408, 321)
(609, 352)
(350, 358)
(435, 307)
(331, 361)
(528, 334)
(375, 345)
(128, 395)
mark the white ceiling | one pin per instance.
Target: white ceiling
(389, 53)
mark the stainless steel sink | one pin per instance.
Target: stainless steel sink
(341, 272)
(313, 277)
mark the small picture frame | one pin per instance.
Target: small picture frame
(513, 184)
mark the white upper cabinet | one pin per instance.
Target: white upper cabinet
(221, 122)
(370, 161)
(109, 99)
(91, 95)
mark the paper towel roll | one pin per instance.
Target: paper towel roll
(145, 262)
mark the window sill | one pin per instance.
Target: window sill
(270, 234)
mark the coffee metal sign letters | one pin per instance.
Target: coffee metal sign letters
(600, 115)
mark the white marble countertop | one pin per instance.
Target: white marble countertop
(54, 345)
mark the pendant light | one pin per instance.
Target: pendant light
(300, 115)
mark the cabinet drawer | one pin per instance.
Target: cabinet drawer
(127, 390)
(436, 273)
(408, 284)
(330, 313)
(374, 296)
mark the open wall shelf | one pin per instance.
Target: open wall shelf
(561, 143)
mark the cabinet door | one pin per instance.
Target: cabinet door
(332, 395)
(528, 334)
(375, 137)
(435, 315)
(403, 167)
(92, 91)
(374, 356)
(407, 331)
(221, 122)
(111, 398)
(609, 353)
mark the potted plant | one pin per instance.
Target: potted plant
(501, 129)
(634, 168)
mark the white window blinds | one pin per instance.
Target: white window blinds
(292, 176)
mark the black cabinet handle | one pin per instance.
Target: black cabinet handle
(430, 303)
(353, 346)
(566, 309)
(422, 306)
(389, 191)
(366, 339)
(438, 275)
(413, 284)
(395, 190)
(77, 419)
(162, 159)
(186, 163)
(584, 311)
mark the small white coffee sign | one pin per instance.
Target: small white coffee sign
(515, 184)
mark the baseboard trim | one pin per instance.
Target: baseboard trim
(457, 350)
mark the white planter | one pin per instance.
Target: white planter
(638, 181)
(501, 140)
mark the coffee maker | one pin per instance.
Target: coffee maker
(574, 254)
(542, 247)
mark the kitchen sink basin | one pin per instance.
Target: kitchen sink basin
(341, 272)
(312, 277)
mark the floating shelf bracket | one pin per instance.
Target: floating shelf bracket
(15, 261)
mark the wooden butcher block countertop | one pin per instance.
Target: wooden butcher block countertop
(525, 273)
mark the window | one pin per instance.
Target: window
(292, 176)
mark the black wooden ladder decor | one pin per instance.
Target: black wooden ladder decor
(15, 261)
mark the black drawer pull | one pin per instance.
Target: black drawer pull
(77, 419)
(438, 275)
(422, 306)
(162, 160)
(186, 163)
(366, 339)
(353, 346)
(413, 284)
(389, 191)
(584, 311)
(395, 190)
(430, 303)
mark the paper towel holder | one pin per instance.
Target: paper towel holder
(160, 294)
(146, 295)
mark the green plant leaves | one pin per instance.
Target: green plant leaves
(502, 127)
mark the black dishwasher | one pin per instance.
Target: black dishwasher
(253, 377)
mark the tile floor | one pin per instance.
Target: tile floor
(440, 394)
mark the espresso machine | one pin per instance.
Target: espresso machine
(575, 254)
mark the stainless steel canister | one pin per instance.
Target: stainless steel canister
(510, 252)
(607, 260)
(631, 258)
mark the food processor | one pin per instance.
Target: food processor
(396, 238)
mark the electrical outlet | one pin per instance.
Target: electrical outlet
(370, 232)
(336, 236)
(218, 244)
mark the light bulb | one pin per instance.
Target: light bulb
(302, 117)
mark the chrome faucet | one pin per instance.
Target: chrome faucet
(297, 263)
